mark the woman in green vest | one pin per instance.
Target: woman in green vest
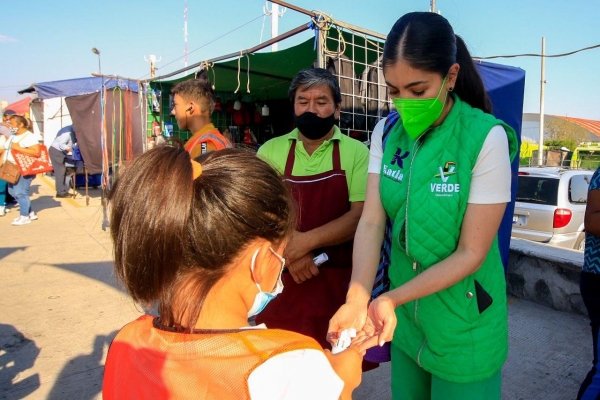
(441, 177)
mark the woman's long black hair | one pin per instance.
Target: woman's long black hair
(427, 42)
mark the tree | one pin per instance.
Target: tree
(560, 132)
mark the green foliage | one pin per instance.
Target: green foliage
(570, 144)
(567, 133)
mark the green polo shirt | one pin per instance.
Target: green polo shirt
(354, 157)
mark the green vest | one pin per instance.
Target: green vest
(424, 190)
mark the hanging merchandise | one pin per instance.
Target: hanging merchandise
(168, 129)
(218, 105)
(249, 138)
(237, 105)
(265, 110)
(156, 98)
(156, 129)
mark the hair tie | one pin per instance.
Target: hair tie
(196, 169)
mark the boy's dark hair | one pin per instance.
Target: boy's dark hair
(21, 120)
(173, 236)
(427, 42)
(197, 90)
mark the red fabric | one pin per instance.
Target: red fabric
(20, 107)
(29, 165)
(307, 307)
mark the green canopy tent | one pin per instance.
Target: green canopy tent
(267, 75)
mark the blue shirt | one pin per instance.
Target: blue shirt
(591, 258)
(64, 139)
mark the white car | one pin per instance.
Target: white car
(550, 206)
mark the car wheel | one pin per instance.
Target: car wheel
(580, 243)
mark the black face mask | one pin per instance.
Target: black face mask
(312, 126)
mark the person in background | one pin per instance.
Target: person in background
(27, 143)
(59, 149)
(590, 285)
(327, 172)
(5, 128)
(5, 133)
(3, 183)
(210, 256)
(442, 176)
(193, 104)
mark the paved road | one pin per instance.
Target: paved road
(60, 307)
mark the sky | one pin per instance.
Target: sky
(45, 41)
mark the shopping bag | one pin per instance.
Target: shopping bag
(9, 172)
(29, 165)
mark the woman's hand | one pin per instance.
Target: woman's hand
(383, 317)
(348, 365)
(350, 315)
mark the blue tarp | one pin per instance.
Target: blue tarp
(79, 86)
(505, 86)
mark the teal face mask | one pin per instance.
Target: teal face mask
(419, 114)
(263, 298)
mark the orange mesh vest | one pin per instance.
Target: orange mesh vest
(146, 362)
(213, 137)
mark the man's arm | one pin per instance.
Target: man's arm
(64, 141)
(338, 231)
(592, 212)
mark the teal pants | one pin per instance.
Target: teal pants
(3, 187)
(411, 382)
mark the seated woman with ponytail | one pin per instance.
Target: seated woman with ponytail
(203, 240)
(439, 172)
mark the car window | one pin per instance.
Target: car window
(578, 188)
(537, 190)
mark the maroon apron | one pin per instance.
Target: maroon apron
(307, 307)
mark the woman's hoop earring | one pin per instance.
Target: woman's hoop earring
(450, 89)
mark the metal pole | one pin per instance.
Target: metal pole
(432, 2)
(542, 85)
(274, 25)
(185, 35)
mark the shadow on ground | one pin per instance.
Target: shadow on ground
(7, 251)
(81, 377)
(17, 356)
(102, 271)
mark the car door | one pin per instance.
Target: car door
(537, 197)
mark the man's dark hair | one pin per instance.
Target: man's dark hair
(21, 120)
(197, 90)
(191, 230)
(9, 113)
(311, 77)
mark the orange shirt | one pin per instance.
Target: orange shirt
(208, 138)
(147, 361)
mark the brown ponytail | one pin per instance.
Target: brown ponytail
(173, 236)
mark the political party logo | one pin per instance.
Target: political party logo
(445, 172)
(398, 160)
(445, 189)
(398, 157)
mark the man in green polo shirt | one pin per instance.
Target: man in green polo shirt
(327, 173)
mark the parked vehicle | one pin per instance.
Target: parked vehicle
(550, 206)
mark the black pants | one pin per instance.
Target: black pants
(590, 292)
(58, 163)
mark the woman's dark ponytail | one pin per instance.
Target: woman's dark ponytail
(469, 86)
